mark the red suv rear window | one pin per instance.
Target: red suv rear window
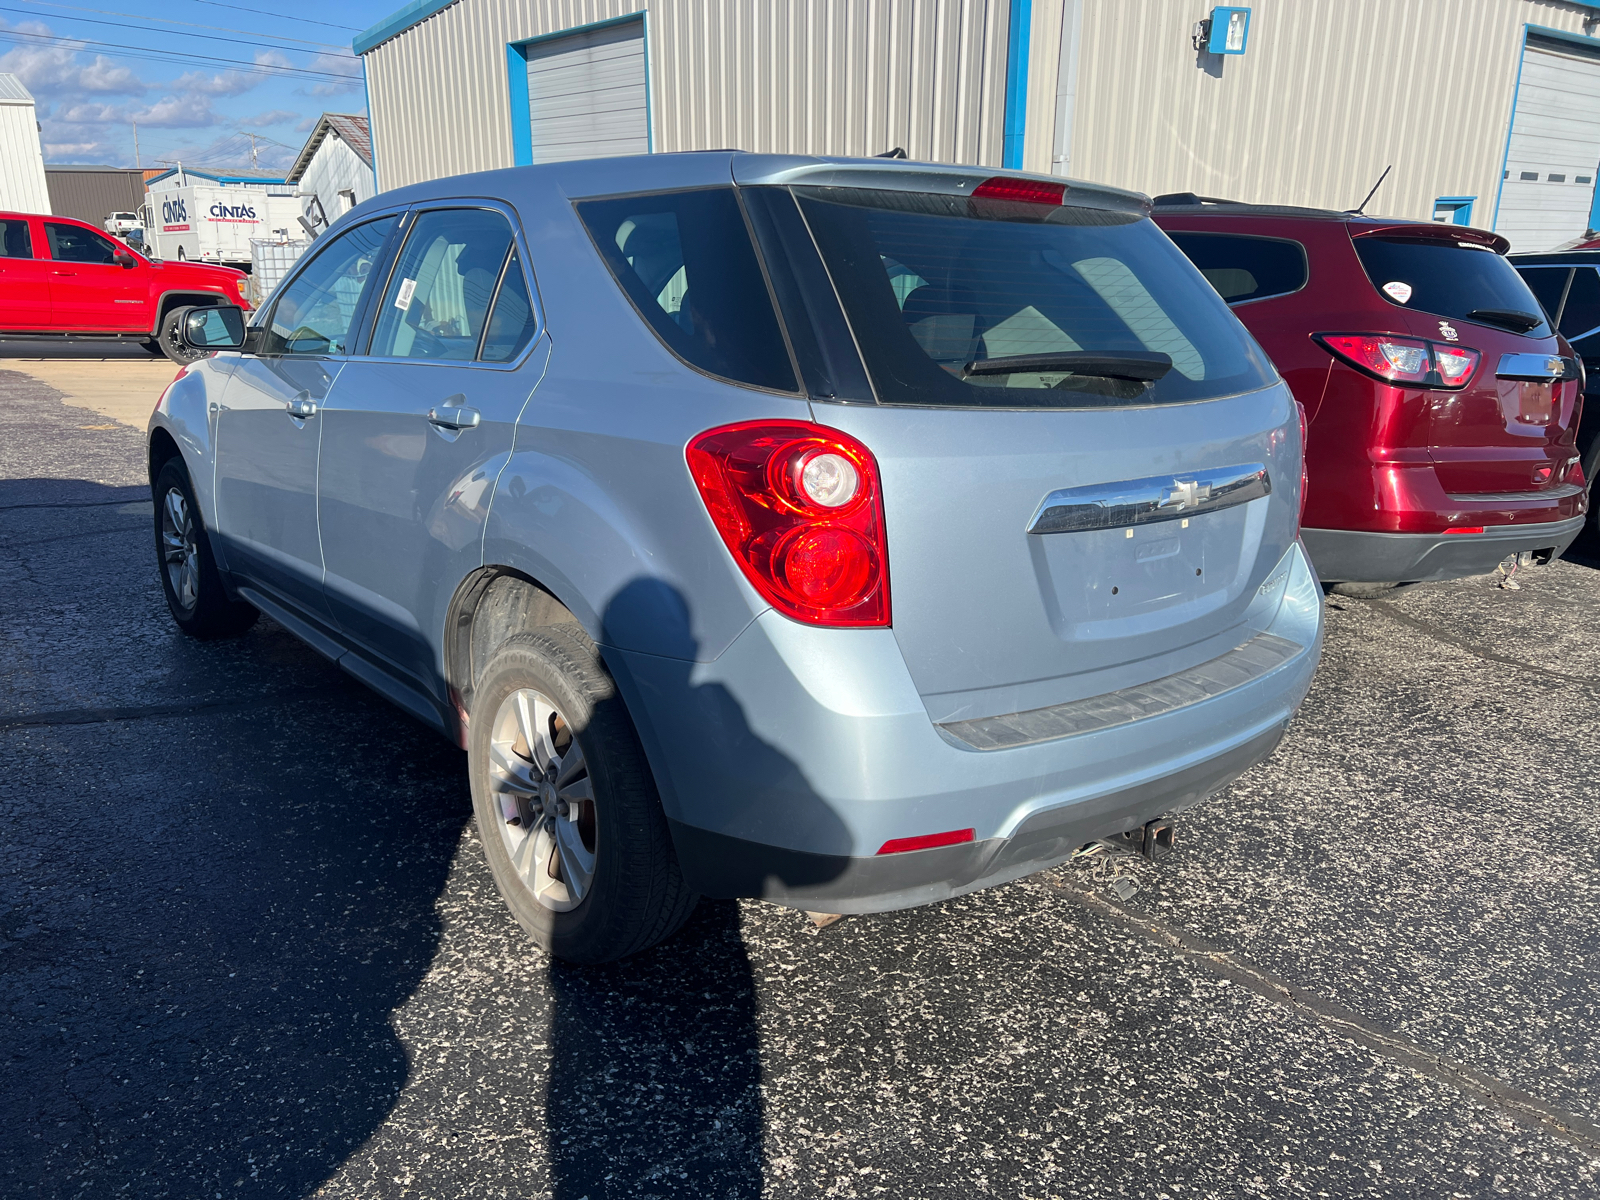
(1448, 279)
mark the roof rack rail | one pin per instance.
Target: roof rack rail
(1188, 200)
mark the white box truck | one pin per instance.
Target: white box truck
(213, 223)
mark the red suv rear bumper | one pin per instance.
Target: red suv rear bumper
(1356, 556)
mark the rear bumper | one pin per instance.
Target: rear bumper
(1354, 556)
(786, 763)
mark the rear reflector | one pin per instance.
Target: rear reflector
(1024, 191)
(927, 841)
(1465, 529)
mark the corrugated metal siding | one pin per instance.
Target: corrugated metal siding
(780, 76)
(1328, 93)
(22, 185)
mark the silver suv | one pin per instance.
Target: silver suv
(852, 534)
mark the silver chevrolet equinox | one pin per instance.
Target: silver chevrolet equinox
(848, 533)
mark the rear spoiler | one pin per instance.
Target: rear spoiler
(1432, 231)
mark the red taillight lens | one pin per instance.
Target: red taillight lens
(801, 509)
(927, 841)
(1024, 191)
(1304, 478)
(1403, 360)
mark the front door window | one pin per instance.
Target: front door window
(316, 311)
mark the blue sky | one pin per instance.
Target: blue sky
(196, 75)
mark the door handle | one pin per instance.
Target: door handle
(63, 272)
(450, 416)
(301, 407)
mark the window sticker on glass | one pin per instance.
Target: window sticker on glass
(1401, 292)
(408, 288)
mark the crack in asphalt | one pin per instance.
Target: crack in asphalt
(99, 716)
(1388, 609)
(1519, 1106)
(68, 537)
(74, 504)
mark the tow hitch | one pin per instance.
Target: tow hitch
(1152, 840)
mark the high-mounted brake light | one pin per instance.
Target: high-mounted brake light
(1412, 361)
(1024, 191)
(800, 508)
(927, 841)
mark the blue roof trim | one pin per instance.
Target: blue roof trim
(214, 177)
(397, 23)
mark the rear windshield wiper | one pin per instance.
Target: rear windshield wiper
(1140, 366)
(1506, 318)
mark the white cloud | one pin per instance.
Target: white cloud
(188, 111)
(273, 116)
(339, 65)
(57, 70)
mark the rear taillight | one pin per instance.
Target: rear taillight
(1300, 520)
(1412, 361)
(1023, 191)
(801, 509)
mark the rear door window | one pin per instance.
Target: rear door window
(686, 262)
(512, 324)
(1245, 268)
(15, 240)
(440, 290)
(1549, 288)
(956, 301)
(1450, 279)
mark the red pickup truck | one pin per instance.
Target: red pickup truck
(61, 277)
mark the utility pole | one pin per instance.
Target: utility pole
(136, 160)
(252, 138)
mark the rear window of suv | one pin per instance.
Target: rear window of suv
(944, 292)
(1449, 279)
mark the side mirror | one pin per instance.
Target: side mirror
(127, 260)
(214, 327)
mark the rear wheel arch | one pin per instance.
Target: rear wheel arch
(492, 605)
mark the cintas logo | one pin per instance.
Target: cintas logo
(174, 212)
(231, 212)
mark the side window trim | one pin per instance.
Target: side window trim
(393, 253)
(1256, 237)
(267, 312)
(494, 298)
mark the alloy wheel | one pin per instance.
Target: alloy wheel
(179, 554)
(545, 798)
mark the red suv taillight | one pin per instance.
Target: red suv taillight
(1403, 360)
(801, 509)
(1299, 521)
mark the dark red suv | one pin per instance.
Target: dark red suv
(1442, 407)
(59, 276)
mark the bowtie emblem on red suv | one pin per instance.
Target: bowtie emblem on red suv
(1186, 493)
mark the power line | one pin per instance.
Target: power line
(170, 56)
(210, 37)
(280, 16)
(105, 12)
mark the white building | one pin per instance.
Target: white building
(334, 169)
(1488, 110)
(22, 182)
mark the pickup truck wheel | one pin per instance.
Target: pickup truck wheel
(565, 803)
(172, 347)
(189, 577)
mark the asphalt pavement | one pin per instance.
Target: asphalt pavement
(248, 945)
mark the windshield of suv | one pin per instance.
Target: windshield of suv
(1449, 279)
(1004, 304)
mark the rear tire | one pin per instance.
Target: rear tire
(189, 577)
(566, 807)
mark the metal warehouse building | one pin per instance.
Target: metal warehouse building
(1488, 110)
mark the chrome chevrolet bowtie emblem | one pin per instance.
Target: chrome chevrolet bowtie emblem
(1555, 366)
(1185, 493)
